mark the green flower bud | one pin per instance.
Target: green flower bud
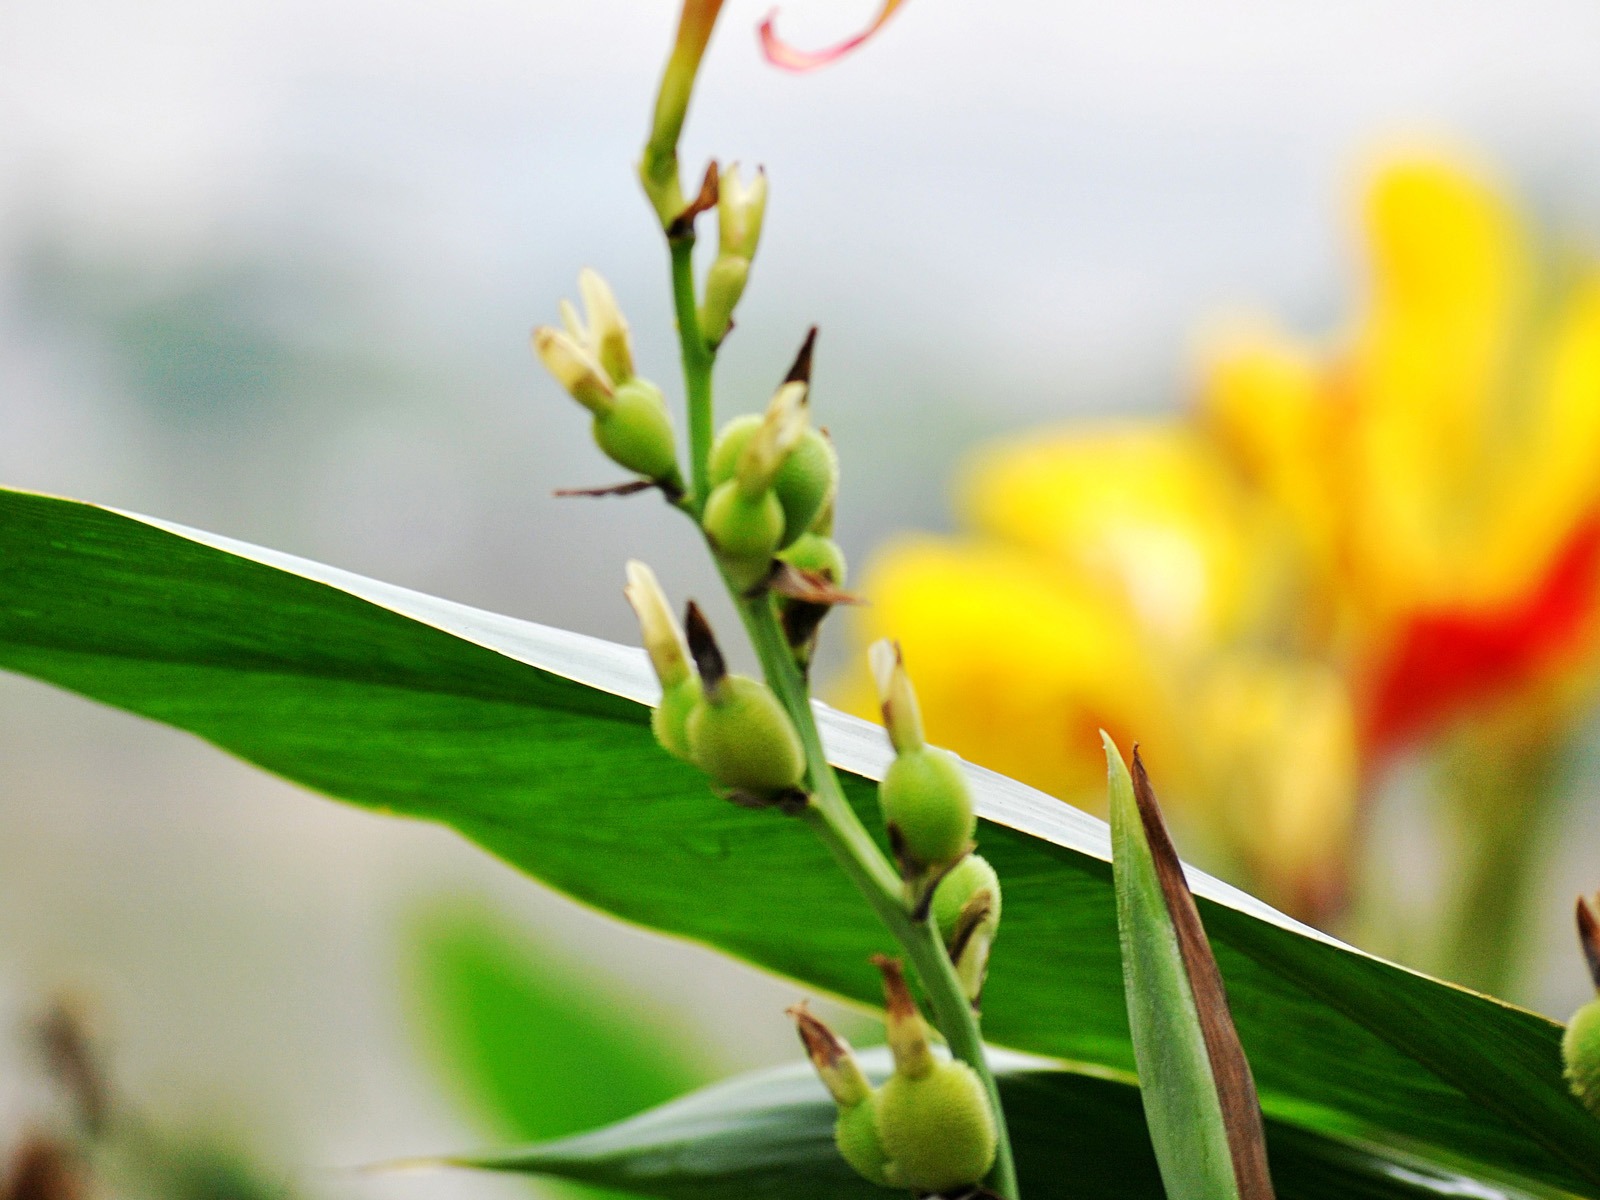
(966, 910)
(730, 444)
(933, 1116)
(575, 369)
(607, 331)
(744, 530)
(738, 732)
(926, 805)
(669, 656)
(806, 482)
(636, 432)
(724, 286)
(817, 554)
(740, 210)
(740, 736)
(1580, 1046)
(1580, 1052)
(856, 1131)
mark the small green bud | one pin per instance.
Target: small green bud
(740, 736)
(724, 286)
(730, 444)
(855, 1133)
(926, 805)
(806, 482)
(744, 530)
(636, 432)
(961, 884)
(607, 332)
(740, 210)
(669, 657)
(817, 554)
(1580, 1046)
(738, 732)
(933, 1115)
(1580, 1052)
(856, 1130)
(966, 910)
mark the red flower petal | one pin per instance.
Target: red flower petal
(780, 54)
(1449, 661)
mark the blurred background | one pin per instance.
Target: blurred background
(269, 269)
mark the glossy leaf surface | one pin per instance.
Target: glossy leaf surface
(534, 743)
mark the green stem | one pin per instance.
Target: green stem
(698, 359)
(836, 823)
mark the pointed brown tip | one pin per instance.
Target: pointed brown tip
(631, 488)
(683, 224)
(801, 371)
(896, 995)
(812, 587)
(824, 1047)
(703, 647)
(1589, 937)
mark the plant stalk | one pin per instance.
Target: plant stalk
(698, 360)
(836, 823)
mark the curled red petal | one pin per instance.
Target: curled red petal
(780, 54)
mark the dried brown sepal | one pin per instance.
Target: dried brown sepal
(44, 1168)
(800, 625)
(70, 1056)
(824, 1047)
(703, 648)
(809, 587)
(1236, 1088)
(631, 488)
(800, 371)
(683, 224)
(971, 918)
(897, 1000)
(1589, 936)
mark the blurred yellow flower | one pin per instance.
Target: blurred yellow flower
(1340, 551)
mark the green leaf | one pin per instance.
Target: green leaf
(1078, 1137)
(1199, 1097)
(522, 1035)
(535, 744)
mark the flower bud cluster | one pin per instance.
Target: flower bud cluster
(740, 209)
(730, 726)
(593, 361)
(773, 478)
(929, 1128)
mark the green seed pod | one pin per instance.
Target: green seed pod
(933, 1115)
(967, 878)
(927, 808)
(937, 1130)
(636, 432)
(1580, 1051)
(740, 736)
(806, 482)
(856, 1135)
(730, 444)
(1580, 1046)
(817, 554)
(670, 720)
(744, 530)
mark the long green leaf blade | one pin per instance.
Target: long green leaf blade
(534, 743)
(1078, 1137)
(1197, 1091)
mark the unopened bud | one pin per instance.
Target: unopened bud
(781, 429)
(933, 1115)
(831, 1055)
(738, 732)
(607, 334)
(806, 483)
(902, 716)
(1580, 1046)
(966, 910)
(740, 210)
(724, 286)
(575, 369)
(744, 530)
(636, 432)
(669, 656)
